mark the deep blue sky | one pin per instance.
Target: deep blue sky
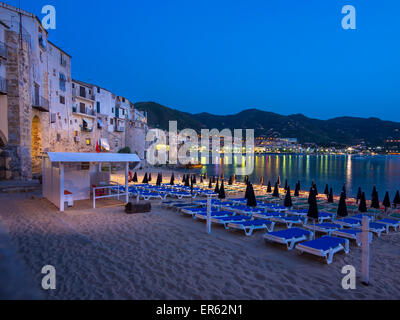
(222, 56)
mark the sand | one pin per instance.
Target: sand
(106, 254)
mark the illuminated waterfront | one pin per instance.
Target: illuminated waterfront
(382, 171)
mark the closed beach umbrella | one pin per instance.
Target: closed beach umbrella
(150, 177)
(312, 193)
(172, 180)
(344, 191)
(313, 207)
(261, 180)
(221, 194)
(201, 179)
(297, 190)
(375, 201)
(386, 201)
(298, 182)
(288, 199)
(187, 182)
(342, 208)
(359, 193)
(194, 179)
(269, 189)
(315, 188)
(210, 183)
(145, 179)
(230, 181)
(396, 200)
(184, 179)
(251, 200)
(246, 193)
(374, 192)
(205, 176)
(276, 191)
(216, 190)
(286, 185)
(191, 187)
(213, 179)
(330, 197)
(135, 179)
(158, 182)
(363, 203)
(326, 191)
(279, 181)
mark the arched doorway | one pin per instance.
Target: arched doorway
(36, 150)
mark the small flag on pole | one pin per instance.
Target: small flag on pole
(97, 147)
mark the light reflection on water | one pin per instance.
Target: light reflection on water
(382, 171)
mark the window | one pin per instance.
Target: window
(63, 80)
(111, 121)
(116, 143)
(62, 99)
(58, 137)
(112, 110)
(98, 89)
(98, 106)
(123, 112)
(73, 86)
(82, 92)
(123, 99)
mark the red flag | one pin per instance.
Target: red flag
(97, 148)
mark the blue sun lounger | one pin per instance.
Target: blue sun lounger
(268, 215)
(377, 228)
(351, 234)
(289, 221)
(289, 237)
(325, 216)
(225, 220)
(202, 215)
(192, 211)
(395, 224)
(324, 227)
(349, 222)
(243, 209)
(362, 215)
(250, 226)
(325, 247)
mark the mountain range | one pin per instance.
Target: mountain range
(340, 131)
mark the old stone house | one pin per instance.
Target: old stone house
(43, 109)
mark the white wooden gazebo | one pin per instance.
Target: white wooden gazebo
(77, 172)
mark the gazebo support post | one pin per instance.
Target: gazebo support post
(126, 182)
(61, 186)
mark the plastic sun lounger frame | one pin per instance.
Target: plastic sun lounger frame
(395, 224)
(248, 229)
(268, 215)
(349, 222)
(181, 195)
(327, 253)
(214, 214)
(289, 221)
(324, 227)
(377, 228)
(349, 234)
(234, 219)
(289, 242)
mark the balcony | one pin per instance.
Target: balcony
(83, 111)
(3, 86)
(63, 62)
(83, 95)
(3, 50)
(41, 104)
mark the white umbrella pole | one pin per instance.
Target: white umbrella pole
(365, 251)
(209, 214)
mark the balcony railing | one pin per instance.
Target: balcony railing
(3, 86)
(77, 93)
(83, 110)
(3, 50)
(41, 103)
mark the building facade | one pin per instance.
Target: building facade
(43, 109)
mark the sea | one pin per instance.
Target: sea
(382, 171)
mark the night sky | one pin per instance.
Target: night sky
(285, 56)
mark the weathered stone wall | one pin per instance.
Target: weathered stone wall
(17, 154)
(136, 137)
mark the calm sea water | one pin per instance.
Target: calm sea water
(336, 170)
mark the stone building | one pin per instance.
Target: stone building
(43, 109)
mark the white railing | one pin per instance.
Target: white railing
(111, 187)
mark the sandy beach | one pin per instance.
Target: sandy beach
(107, 254)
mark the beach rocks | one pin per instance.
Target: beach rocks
(137, 207)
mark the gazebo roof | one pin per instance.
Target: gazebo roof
(91, 157)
